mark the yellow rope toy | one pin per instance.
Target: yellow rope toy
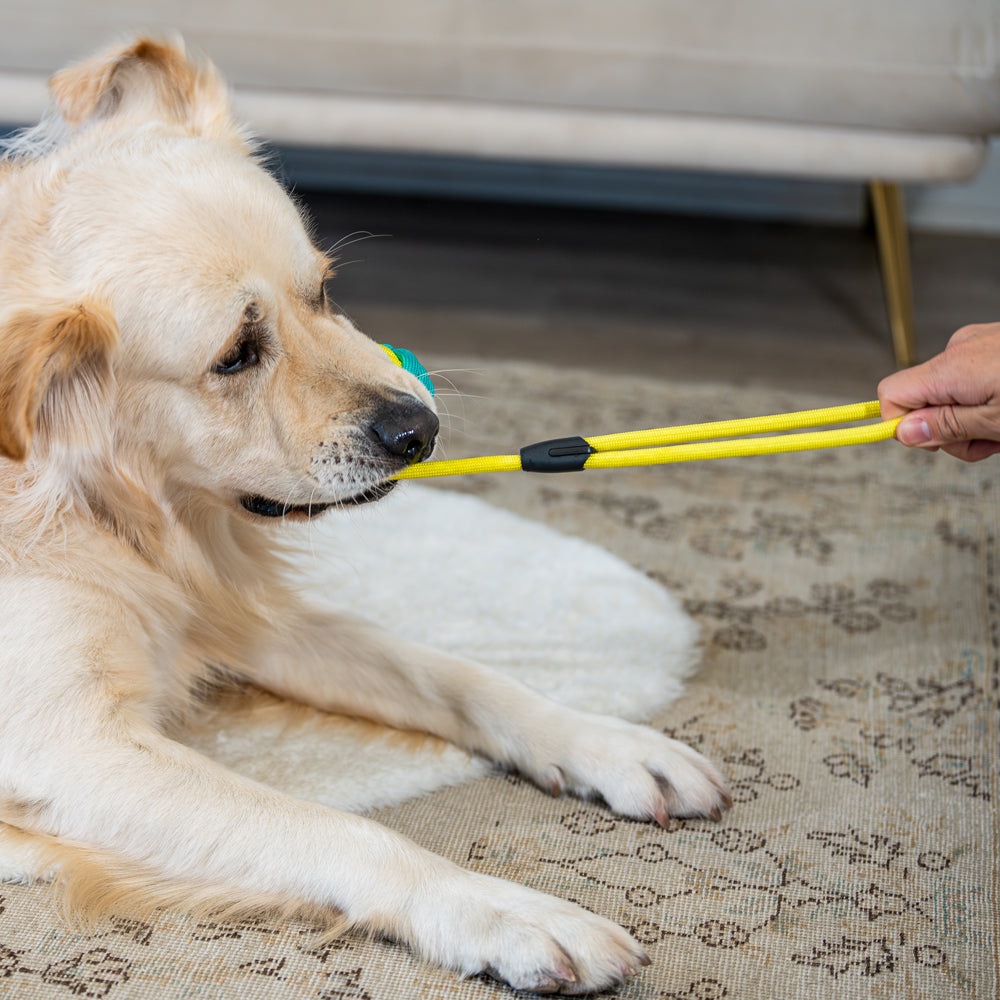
(689, 443)
(663, 445)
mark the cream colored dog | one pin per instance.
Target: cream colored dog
(171, 380)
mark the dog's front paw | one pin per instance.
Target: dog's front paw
(527, 939)
(637, 771)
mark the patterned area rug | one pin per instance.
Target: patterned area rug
(848, 690)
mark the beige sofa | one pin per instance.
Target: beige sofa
(881, 91)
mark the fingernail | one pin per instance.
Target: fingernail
(915, 431)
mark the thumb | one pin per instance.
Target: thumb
(938, 426)
(914, 430)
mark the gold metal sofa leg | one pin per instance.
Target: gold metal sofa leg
(889, 215)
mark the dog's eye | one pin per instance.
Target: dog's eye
(245, 354)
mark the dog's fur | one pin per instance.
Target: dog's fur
(171, 378)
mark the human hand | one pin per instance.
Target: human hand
(952, 401)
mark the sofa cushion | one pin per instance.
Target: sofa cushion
(923, 65)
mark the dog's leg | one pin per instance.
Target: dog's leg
(82, 762)
(340, 664)
(129, 791)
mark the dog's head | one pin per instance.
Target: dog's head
(161, 300)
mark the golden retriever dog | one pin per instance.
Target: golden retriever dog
(173, 384)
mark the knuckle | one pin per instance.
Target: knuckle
(950, 425)
(966, 333)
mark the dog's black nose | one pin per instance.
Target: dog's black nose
(406, 428)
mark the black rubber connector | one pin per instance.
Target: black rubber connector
(558, 455)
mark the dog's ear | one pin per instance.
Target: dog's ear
(53, 359)
(149, 79)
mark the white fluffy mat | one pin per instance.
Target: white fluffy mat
(558, 613)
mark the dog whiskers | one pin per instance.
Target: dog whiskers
(458, 371)
(336, 307)
(358, 236)
(288, 502)
(311, 533)
(341, 264)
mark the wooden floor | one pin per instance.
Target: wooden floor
(786, 306)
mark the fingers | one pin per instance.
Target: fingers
(973, 451)
(908, 390)
(952, 401)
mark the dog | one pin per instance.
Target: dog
(173, 384)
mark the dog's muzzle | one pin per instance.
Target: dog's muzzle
(403, 427)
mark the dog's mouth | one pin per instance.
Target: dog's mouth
(263, 507)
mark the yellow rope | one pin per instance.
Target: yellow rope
(462, 467)
(693, 442)
(742, 447)
(774, 424)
